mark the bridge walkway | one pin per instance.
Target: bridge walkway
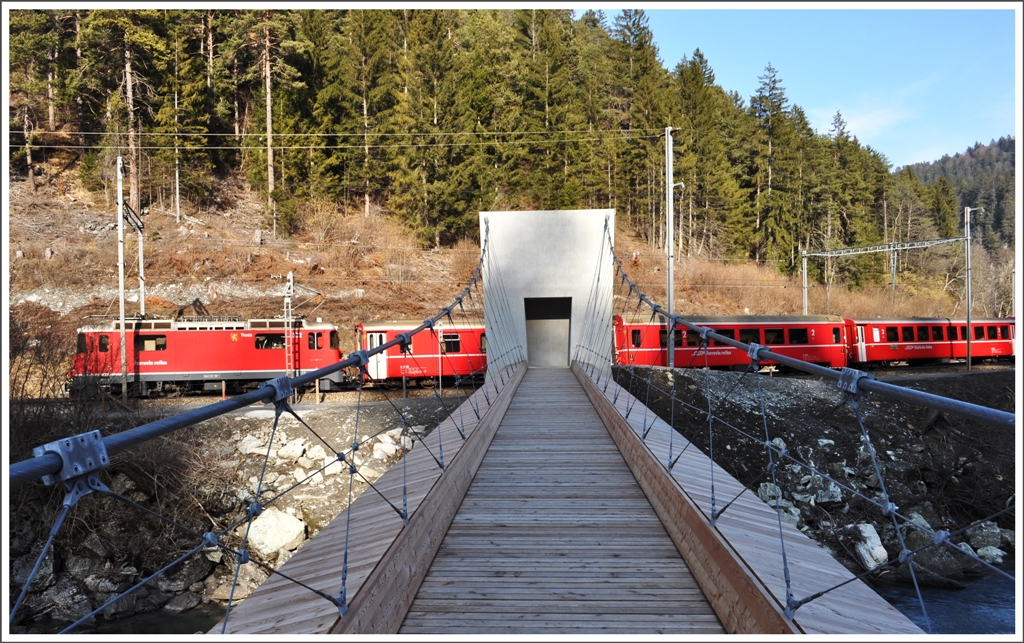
(554, 536)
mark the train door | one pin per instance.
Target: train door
(862, 354)
(377, 367)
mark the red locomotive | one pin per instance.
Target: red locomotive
(204, 354)
(447, 351)
(825, 340)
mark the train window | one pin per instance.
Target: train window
(335, 344)
(677, 339)
(922, 333)
(81, 343)
(797, 335)
(104, 343)
(992, 332)
(151, 342)
(1004, 332)
(908, 333)
(979, 332)
(636, 339)
(314, 341)
(892, 334)
(835, 335)
(936, 333)
(750, 335)
(483, 343)
(451, 343)
(774, 336)
(724, 332)
(692, 338)
(267, 341)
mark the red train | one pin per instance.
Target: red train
(825, 340)
(447, 351)
(203, 354)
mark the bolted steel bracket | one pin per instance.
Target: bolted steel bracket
(849, 379)
(752, 352)
(80, 454)
(282, 388)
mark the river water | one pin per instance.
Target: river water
(985, 606)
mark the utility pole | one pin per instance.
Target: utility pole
(803, 271)
(669, 245)
(120, 275)
(967, 259)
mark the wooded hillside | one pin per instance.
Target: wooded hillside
(435, 115)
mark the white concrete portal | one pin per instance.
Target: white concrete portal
(560, 259)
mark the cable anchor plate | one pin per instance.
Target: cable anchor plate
(80, 454)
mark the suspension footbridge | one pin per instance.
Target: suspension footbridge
(550, 500)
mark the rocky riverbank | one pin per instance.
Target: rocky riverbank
(112, 547)
(941, 471)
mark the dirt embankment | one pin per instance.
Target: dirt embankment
(952, 471)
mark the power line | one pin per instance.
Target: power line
(342, 134)
(336, 147)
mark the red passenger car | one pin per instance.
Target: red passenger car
(919, 340)
(203, 353)
(818, 339)
(447, 351)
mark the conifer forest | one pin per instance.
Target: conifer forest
(433, 116)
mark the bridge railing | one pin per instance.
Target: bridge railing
(76, 462)
(597, 356)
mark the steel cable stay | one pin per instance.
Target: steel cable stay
(851, 383)
(77, 470)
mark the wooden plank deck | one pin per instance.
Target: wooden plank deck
(555, 537)
(282, 606)
(752, 528)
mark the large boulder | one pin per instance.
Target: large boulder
(184, 574)
(987, 534)
(249, 578)
(183, 602)
(274, 530)
(935, 565)
(65, 602)
(292, 451)
(868, 547)
(45, 576)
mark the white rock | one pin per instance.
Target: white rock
(250, 444)
(869, 550)
(385, 448)
(299, 474)
(293, 450)
(991, 555)
(274, 530)
(315, 452)
(259, 414)
(332, 467)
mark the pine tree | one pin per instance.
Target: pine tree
(128, 51)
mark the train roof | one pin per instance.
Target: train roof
(931, 320)
(382, 326)
(635, 318)
(204, 323)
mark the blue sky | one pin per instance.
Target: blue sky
(912, 83)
